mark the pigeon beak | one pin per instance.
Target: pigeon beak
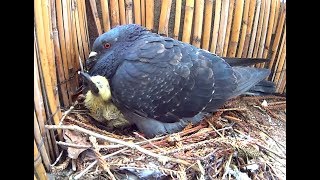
(93, 54)
(87, 79)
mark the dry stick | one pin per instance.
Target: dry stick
(207, 24)
(244, 28)
(197, 26)
(77, 146)
(236, 28)
(137, 11)
(187, 24)
(177, 19)
(129, 13)
(57, 160)
(234, 119)
(160, 158)
(214, 38)
(149, 14)
(215, 130)
(233, 109)
(249, 28)
(114, 8)
(223, 27)
(95, 162)
(254, 30)
(137, 134)
(164, 17)
(227, 166)
(228, 31)
(68, 112)
(38, 166)
(105, 15)
(122, 11)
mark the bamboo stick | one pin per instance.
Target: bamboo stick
(129, 11)
(187, 25)
(137, 11)
(177, 19)
(143, 12)
(122, 11)
(216, 24)
(276, 17)
(236, 28)
(83, 27)
(105, 15)
(43, 37)
(95, 16)
(77, 45)
(264, 30)
(57, 52)
(259, 31)
(254, 30)
(38, 103)
(150, 14)
(277, 36)
(244, 27)
(114, 8)
(270, 27)
(71, 64)
(228, 31)
(207, 24)
(197, 25)
(38, 166)
(282, 78)
(223, 27)
(39, 140)
(77, 26)
(164, 17)
(276, 63)
(281, 60)
(249, 28)
(34, 177)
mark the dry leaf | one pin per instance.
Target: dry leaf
(75, 138)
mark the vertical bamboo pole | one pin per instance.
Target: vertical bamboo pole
(95, 15)
(150, 14)
(105, 15)
(114, 8)
(83, 27)
(264, 30)
(38, 166)
(164, 17)
(77, 35)
(187, 25)
(39, 140)
(137, 11)
(223, 27)
(259, 31)
(277, 36)
(207, 24)
(254, 30)
(177, 19)
(276, 17)
(282, 79)
(75, 51)
(279, 52)
(249, 28)
(197, 26)
(236, 28)
(143, 12)
(280, 63)
(214, 38)
(122, 10)
(228, 31)
(244, 27)
(129, 11)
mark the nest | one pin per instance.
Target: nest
(245, 139)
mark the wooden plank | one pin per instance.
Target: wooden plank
(137, 11)
(249, 28)
(150, 14)
(114, 8)
(164, 17)
(223, 27)
(207, 24)
(228, 31)
(197, 25)
(216, 24)
(254, 29)
(236, 28)
(177, 19)
(244, 27)
(187, 25)
(105, 15)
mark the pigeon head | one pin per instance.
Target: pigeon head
(107, 49)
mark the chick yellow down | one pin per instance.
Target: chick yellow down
(98, 102)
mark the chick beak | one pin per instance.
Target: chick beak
(87, 79)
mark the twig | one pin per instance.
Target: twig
(233, 109)
(58, 158)
(147, 140)
(211, 125)
(160, 158)
(67, 112)
(276, 103)
(227, 167)
(78, 146)
(234, 119)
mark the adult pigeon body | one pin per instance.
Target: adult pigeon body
(162, 84)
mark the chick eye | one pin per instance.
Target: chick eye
(107, 45)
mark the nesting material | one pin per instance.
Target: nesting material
(242, 140)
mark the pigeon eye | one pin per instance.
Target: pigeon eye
(107, 45)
